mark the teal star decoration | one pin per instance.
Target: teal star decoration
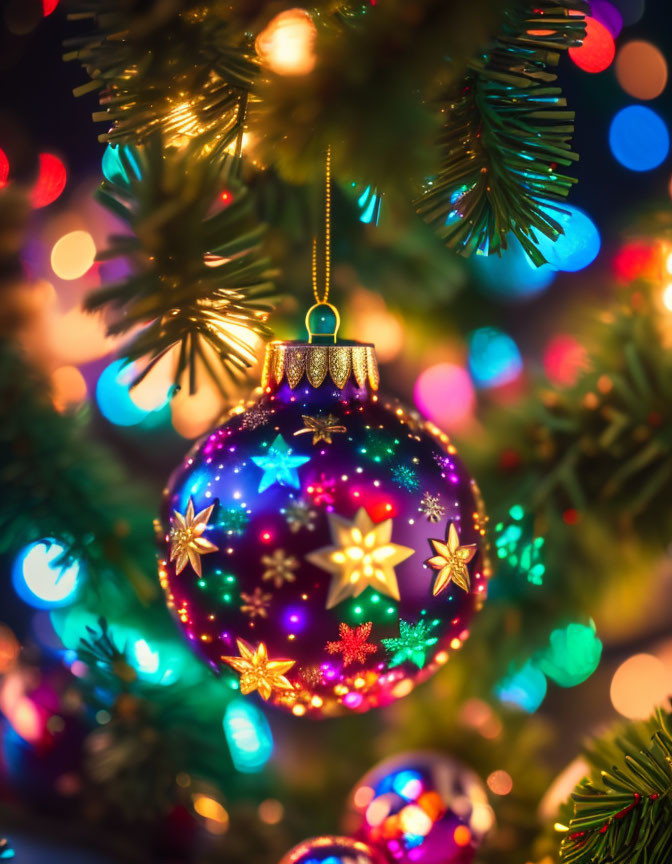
(279, 466)
(411, 645)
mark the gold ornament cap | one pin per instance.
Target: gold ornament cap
(295, 361)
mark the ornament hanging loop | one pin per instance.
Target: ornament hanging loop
(322, 323)
(322, 319)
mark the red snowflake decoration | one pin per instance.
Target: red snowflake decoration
(353, 645)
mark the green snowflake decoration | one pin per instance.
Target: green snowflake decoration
(233, 520)
(411, 644)
(378, 445)
(517, 547)
(405, 477)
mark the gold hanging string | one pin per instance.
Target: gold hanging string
(327, 237)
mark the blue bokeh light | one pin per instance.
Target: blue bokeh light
(42, 579)
(639, 138)
(407, 784)
(248, 736)
(114, 398)
(578, 246)
(525, 688)
(512, 274)
(494, 358)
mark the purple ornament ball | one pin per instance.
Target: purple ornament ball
(326, 544)
(333, 850)
(421, 808)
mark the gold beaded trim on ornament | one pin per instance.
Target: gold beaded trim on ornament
(315, 362)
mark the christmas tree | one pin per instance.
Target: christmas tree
(405, 596)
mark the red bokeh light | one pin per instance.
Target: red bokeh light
(564, 360)
(48, 6)
(51, 180)
(4, 168)
(598, 49)
(635, 259)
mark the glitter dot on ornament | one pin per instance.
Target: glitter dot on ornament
(343, 596)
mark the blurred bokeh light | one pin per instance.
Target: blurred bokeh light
(641, 69)
(114, 398)
(446, 395)
(596, 52)
(73, 255)
(639, 138)
(578, 245)
(51, 180)
(494, 358)
(639, 685)
(287, 45)
(68, 387)
(512, 274)
(42, 578)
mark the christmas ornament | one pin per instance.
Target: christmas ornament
(333, 850)
(365, 571)
(420, 807)
(326, 544)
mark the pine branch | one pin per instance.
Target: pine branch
(197, 275)
(378, 69)
(604, 443)
(506, 131)
(175, 68)
(58, 483)
(623, 814)
(156, 730)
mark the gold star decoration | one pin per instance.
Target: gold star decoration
(322, 427)
(256, 604)
(186, 541)
(362, 556)
(451, 561)
(258, 672)
(280, 567)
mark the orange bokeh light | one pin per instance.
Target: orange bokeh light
(500, 782)
(462, 835)
(641, 69)
(287, 45)
(639, 685)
